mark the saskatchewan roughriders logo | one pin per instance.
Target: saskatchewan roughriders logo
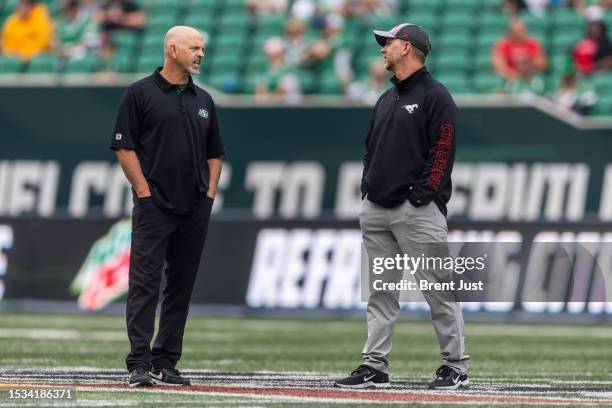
(103, 277)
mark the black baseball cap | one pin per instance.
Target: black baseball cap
(412, 33)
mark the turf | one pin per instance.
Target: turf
(569, 357)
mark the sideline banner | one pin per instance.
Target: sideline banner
(312, 264)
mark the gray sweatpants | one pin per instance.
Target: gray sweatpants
(414, 232)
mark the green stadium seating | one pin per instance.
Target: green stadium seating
(82, 65)
(234, 4)
(418, 5)
(201, 5)
(169, 6)
(452, 61)
(455, 83)
(457, 19)
(487, 83)
(234, 21)
(46, 63)
(148, 62)
(229, 43)
(562, 41)
(428, 21)
(202, 20)
(161, 20)
(9, 65)
(481, 63)
(223, 61)
(468, 5)
(490, 20)
(603, 82)
(453, 40)
(566, 19)
(330, 84)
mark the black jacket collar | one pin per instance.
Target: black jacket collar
(166, 86)
(409, 82)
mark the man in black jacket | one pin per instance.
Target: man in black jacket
(406, 184)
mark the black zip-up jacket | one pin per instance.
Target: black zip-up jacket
(410, 146)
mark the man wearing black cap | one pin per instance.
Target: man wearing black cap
(409, 152)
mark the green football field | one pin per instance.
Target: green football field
(251, 362)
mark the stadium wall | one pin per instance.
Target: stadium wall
(288, 192)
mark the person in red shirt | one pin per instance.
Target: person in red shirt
(594, 51)
(518, 57)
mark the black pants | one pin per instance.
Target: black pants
(159, 237)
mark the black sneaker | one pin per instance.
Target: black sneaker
(365, 377)
(168, 376)
(139, 377)
(449, 379)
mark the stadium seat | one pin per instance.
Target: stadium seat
(46, 63)
(148, 62)
(161, 21)
(469, 5)
(234, 5)
(222, 61)
(452, 61)
(330, 84)
(201, 5)
(81, 65)
(10, 65)
(418, 5)
(481, 62)
(229, 43)
(452, 39)
(428, 21)
(203, 20)
(567, 19)
(563, 40)
(490, 20)
(487, 83)
(457, 19)
(162, 6)
(257, 62)
(455, 83)
(603, 82)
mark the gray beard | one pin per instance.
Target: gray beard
(194, 71)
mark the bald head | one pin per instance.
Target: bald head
(184, 49)
(181, 35)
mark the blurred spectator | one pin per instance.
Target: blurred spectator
(309, 10)
(76, 31)
(576, 92)
(28, 31)
(513, 7)
(279, 83)
(260, 7)
(377, 83)
(329, 55)
(116, 15)
(366, 8)
(519, 58)
(594, 51)
(296, 43)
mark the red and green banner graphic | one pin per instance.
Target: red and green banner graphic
(104, 274)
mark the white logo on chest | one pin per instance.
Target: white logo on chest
(411, 108)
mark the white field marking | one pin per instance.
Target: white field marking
(62, 334)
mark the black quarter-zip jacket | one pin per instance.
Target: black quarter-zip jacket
(410, 146)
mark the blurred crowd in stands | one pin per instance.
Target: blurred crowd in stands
(85, 27)
(79, 27)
